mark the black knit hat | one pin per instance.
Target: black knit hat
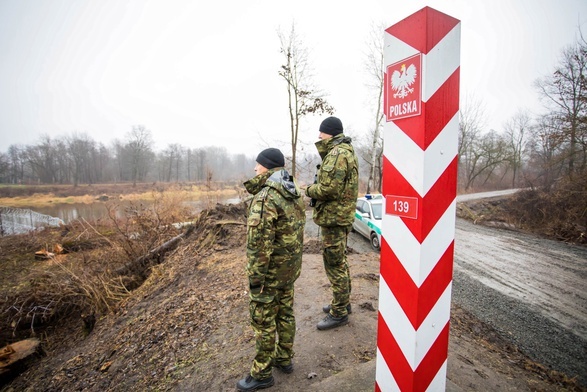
(270, 158)
(332, 126)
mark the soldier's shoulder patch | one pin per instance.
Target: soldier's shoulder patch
(262, 195)
(258, 200)
(334, 151)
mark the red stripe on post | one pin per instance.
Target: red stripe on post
(394, 357)
(436, 113)
(416, 302)
(430, 207)
(435, 24)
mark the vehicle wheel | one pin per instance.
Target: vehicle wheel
(375, 241)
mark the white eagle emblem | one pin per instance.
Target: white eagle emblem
(401, 82)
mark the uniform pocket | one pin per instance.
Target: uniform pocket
(254, 230)
(260, 308)
(326, 174)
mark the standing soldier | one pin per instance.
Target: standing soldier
(275, 234)
(336, 196)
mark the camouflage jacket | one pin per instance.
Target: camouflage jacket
(275, 231)
(338, 183)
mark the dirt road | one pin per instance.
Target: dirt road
(530, 289)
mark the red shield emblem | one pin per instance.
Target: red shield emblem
(403, 88)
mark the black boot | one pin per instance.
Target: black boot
(287, 369)
(251, 384)
(326, 308)
(332, 322)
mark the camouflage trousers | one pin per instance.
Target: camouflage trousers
(274, 324)
(334, 240)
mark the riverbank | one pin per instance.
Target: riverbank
(32, 196)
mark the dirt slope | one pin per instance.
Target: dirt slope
(186, 329)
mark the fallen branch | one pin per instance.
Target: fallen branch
(153, 253)
(230, 222)
(15, 356)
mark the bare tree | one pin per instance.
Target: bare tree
(566, 92)
(119, 148)
(16, 164)
(103, 164)
(485, 155)
(200, 162)
(80, 149)
(139, 142)
(374, 65)
(472, 117)
(170, 161)
(516, 134)
(4, 167)
(544, 148)
(303, 98)
(189, 164)
(42, 160)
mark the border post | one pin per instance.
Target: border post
(421, 106)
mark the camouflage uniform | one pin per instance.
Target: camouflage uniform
(336, 195)
(275, 231)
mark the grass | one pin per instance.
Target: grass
(84, 279)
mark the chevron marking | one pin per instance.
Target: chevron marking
(417, 259)
(417, 302)
(444, 59)
(404, 333)
(430, 207)
(407, 377)
(435, 113)
(410, 161)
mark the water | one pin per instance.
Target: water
(19, 221)
(99, 210)
(70, 212)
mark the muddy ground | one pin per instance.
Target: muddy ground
(186, 329)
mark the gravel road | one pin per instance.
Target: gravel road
(532, 290)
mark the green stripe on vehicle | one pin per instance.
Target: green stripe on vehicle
(372, 226)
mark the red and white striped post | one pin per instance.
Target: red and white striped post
(422, 67)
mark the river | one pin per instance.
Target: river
(99, 210)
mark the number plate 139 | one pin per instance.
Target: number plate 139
(403, 206)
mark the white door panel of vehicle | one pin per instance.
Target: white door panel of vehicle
(362, 221)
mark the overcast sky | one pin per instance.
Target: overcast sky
(203, 73)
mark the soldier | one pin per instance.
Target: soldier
(275, 234)
(336, 194)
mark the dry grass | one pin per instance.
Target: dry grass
(92, 274)
(559, 213)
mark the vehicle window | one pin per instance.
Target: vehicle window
(365, 208)
(377, 208)
(360, 206)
